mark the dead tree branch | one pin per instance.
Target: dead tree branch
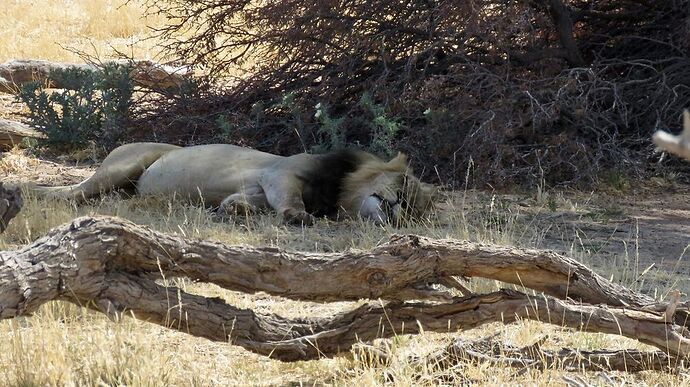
(533, 356)
(14, 74)
(110, 265)
(392, 271)
(12, 133)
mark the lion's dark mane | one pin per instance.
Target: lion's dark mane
(324, 182)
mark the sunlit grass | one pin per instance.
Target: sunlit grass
(53, 29)
(65, 344)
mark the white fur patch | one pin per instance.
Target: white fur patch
(372, 209)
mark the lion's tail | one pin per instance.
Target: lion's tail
(73, 192)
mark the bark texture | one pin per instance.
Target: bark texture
(110, 265)
(12, 133)
(533, 356)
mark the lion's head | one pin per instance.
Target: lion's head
(386, 191)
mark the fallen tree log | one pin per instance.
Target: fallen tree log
(15, 73)
(392, 271)
(10, 204)
(13, 132)
(488, 350)
(110, 265)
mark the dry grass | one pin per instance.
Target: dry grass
(43, 29)
(64, 344)
(67, 345)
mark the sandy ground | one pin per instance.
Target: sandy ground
(655, 230)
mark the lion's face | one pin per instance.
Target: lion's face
(388, 193)
(396, 198)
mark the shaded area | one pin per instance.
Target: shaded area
(516, 92)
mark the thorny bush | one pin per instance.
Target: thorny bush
(520, 91)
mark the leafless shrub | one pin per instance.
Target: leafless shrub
(541, 90)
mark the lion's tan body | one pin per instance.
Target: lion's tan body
(238, 179)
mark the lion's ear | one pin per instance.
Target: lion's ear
(399, 161)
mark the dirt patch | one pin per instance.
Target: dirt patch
(641, 239)
(16, 166)
(644, 231)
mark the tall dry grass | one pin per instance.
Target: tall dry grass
(64, 344)
(48, 29)
(67, 345)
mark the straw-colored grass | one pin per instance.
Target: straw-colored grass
(65, 344)
(49, 29)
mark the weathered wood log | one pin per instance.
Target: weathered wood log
(488, 350)
(10, 204)
(14, 74)
(110, 265)
(12, 133)
(392, 271)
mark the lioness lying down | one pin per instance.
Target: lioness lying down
(241, 180)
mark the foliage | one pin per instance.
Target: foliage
(95, 107)
(330, 129)
(383, 128)
(553, 89)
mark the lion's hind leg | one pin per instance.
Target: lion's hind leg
(120, 169)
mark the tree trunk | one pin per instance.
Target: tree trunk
(110, 265)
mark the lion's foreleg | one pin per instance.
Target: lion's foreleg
(243, 204)
(284, 194)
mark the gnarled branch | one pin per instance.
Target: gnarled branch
(392, 271)
(13, 132)
(15, 73)
(533, 356)
(109, 265)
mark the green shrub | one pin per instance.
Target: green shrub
(383, 128)
(330, 130)
(95, 107)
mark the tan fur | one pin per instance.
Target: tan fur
(240, 180)
(387, 179)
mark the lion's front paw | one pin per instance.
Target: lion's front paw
(235, 207)
(299, 218)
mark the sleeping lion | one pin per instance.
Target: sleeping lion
(240, 180)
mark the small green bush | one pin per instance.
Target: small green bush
(95, 107)
(383, 128)
(330, 130)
